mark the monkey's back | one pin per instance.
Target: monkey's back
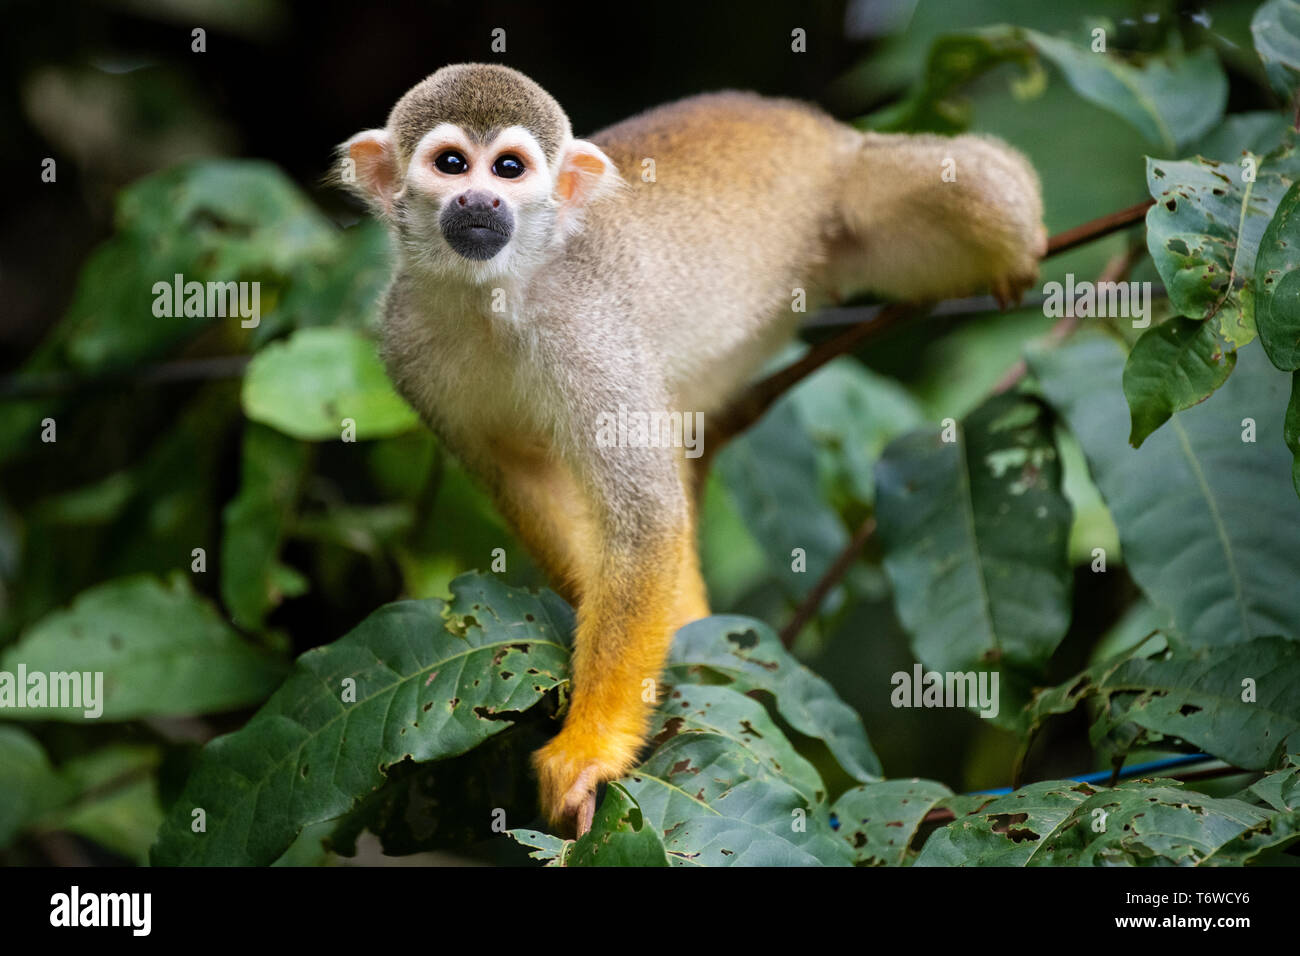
(715, 234)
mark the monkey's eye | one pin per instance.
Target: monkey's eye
(508, 166)
(451, 162)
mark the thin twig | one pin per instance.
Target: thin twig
(828, 580)
(1102, 226)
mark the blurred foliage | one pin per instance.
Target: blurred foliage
(216, 548)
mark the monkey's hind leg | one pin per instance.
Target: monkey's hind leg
(642, 586)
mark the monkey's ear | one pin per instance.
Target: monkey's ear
(368, 167)
(585, 175)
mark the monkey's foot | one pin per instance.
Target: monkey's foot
(572, 766)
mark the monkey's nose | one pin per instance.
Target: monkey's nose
(473, 200)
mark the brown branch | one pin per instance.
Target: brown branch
(1102, 226)
(828, 580)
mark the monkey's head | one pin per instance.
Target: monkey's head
(477, 172)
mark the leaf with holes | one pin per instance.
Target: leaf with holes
(1007, 830)
(748, 656)
(1204, 233)
(1146, 823)
(418, 680)
(619, 836)
(1173, 366)
(1206, 514)
(718, 787)
(1239, 703)
(549, 850)
(974, 533)
(879, 820)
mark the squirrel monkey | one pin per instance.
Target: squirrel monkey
(543, 283)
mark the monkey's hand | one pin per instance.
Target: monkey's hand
(936, 218)
(1009, 286)
(570, 767)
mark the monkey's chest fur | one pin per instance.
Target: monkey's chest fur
(470, 375)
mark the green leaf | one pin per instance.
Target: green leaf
(550, 850)
(852, 413)
(935, 104)
(974, 533)
(1063, 823)
(1239, 703)
(307, 385)
(1204, 232)
(1276, 28)
(1264, 842)
(1258, 132)
(252, 578)
(215, 220)
(1173, 366)
(727, 712)
(28, 784)
(1138, 823)
(1006, 830)
(717, 800)
(1280, 788)
(1260, 843)
(431, 681)
(771, 474)
(619, 836)
(1170, 102)
(1291, 430)
(879, 820)
(161, 649)
(1207, 520)
(748, 657)
(1277, 278)
(454, 804)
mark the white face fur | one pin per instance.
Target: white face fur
(477, 211)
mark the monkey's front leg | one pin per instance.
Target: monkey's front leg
(642, 585)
